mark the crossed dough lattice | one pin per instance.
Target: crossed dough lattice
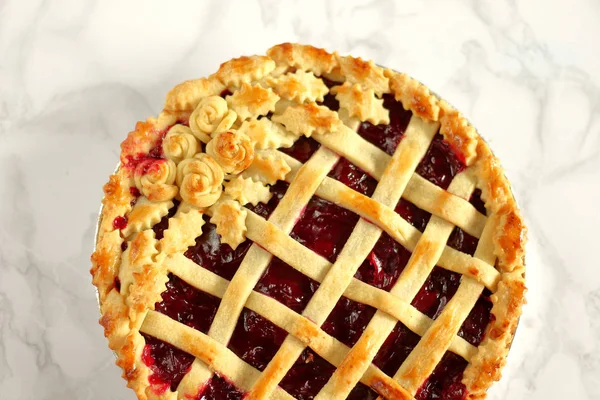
(130, 266)
(397, 178)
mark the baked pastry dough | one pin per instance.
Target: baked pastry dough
(234, 151)
(247, 191)
(252, 101)
(267, 134)
(230, 219)
(207, 116)
(308, 225)
(306, 119)
(180, 143)
(200, 180)
(361, 103)
(155, 179)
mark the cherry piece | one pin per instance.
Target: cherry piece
(387, 137)
(286, 285)
(167, 363)
(398, 345)
(215, 256)
(324, 227)
(256, 339)
(188, 305)
(307, 376)
(445, 381)
(440, 164)
(384, 264)
(302, 149)
(120, 222)
(353, 177)
(436, 292)
(348, 320)
(219, 388)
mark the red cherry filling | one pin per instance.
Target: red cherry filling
(117, 283)
(167, 363)
(329, 100)
(387, 137)
(256, 339)
(348, 320)
(265, 210)
(131, 161)
(413, 214)
(384, 264)
(163, 224)
(307, 376)
(461, 240)
(445, 381)
(135, 192)
(215, 256)
(310, 373)
(353, 177)
(120, 222)
(440, 164)
(324, 227)
(395, 349)
(303, 149)
(220, 389)
(362, 392)
(477, 201)
(190, 306)
(473, 329)
(436, 292)
(287, 285)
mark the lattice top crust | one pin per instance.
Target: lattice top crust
(249, 160)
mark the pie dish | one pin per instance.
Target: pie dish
(308, 225)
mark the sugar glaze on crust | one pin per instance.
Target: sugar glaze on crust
(215, 167)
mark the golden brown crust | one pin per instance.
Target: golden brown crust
(306, 119)
(187, 95)
(244, 69)
(304, 57)
(234, 151)
(413, 95)
(288, 69)
(364, 73)
(200, 180)
(361, 103)
(107, 255)
(300, 87)
(252, 101)
(180, 143)
(459, 133)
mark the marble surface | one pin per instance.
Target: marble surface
(75, 76)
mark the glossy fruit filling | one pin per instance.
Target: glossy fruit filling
(324, 227)
(220, 389)
(256, 339)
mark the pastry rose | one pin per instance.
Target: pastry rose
(207, 117)
(234, 151)
(155, 179)
(180, 144)
(200, 180)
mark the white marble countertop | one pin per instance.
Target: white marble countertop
(75, 76)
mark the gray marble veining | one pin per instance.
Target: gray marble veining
(75, 76)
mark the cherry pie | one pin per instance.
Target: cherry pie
(307, 225)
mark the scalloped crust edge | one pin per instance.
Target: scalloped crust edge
(486, 366)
